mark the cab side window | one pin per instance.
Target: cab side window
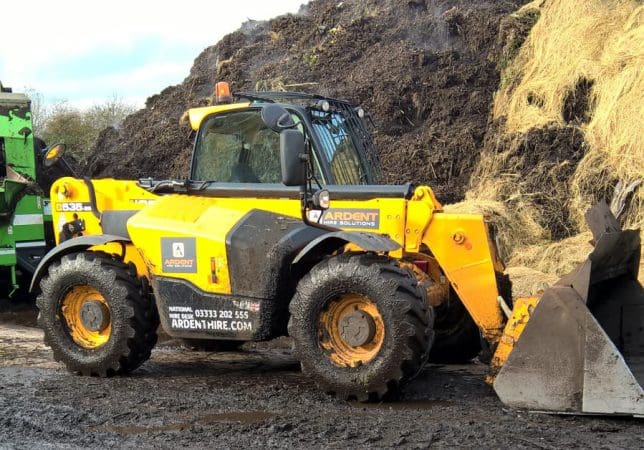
(333, 132)
(237, 147)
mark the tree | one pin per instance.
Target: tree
(65, 123)
(79, 128)
(38, 110)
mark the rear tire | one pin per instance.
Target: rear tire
(399, 319)
(117, 335)
(458, 339)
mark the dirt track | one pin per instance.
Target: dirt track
(258, 398)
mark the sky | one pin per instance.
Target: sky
(86, 52)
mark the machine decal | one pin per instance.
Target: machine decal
(246, 305)
(186, 311)
(73, 207)
(62, 220)
(209, 319)
(179, 255)
(351, 218)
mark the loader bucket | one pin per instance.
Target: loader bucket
(582, 348)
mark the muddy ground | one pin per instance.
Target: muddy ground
(257, 398)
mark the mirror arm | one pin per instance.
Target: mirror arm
(304, 188)
(306, 201)
(304, 204)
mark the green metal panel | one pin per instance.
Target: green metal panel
(21, 212)
(7, 245)
(9, 194)
(28, 220)
(16, 130)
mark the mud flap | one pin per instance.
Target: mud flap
(582, 349)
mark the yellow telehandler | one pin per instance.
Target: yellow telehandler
(268, 237)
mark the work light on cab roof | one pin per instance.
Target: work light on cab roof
(222, 93)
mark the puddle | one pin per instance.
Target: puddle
(240, 417)
(419, 405)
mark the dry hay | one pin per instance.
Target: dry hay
(527, 282)
(534, 264)
(556, 258)
(581, 66)
(565, 130)
(514, 228)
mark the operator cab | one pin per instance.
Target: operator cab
(234, 145)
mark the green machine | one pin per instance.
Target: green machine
(24, 205)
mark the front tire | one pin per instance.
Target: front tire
(97, 316)
(361, 325)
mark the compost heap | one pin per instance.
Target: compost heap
(524, 113)
(424, 70)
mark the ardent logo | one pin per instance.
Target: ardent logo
(178, 250)
(179, 255)
(355, 216)
(352, 218)
(314, 215)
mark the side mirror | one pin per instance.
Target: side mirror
(293, 158)
(53, 154)
(276, 117)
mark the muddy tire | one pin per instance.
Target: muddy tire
(211, 345)
(361, 325)
(458, 339)
(97, 316)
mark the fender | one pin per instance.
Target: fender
(71, 246)
(329, 242)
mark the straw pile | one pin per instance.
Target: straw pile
(557, 258)
(577, 82)
(565, 127)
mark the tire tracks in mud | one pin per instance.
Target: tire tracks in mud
(258, 397)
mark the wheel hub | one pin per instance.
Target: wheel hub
(351, 330)
(357, 328)
(87, 316)
(94, 315)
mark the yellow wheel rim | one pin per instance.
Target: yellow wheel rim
(87, 315)
(351, 330)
